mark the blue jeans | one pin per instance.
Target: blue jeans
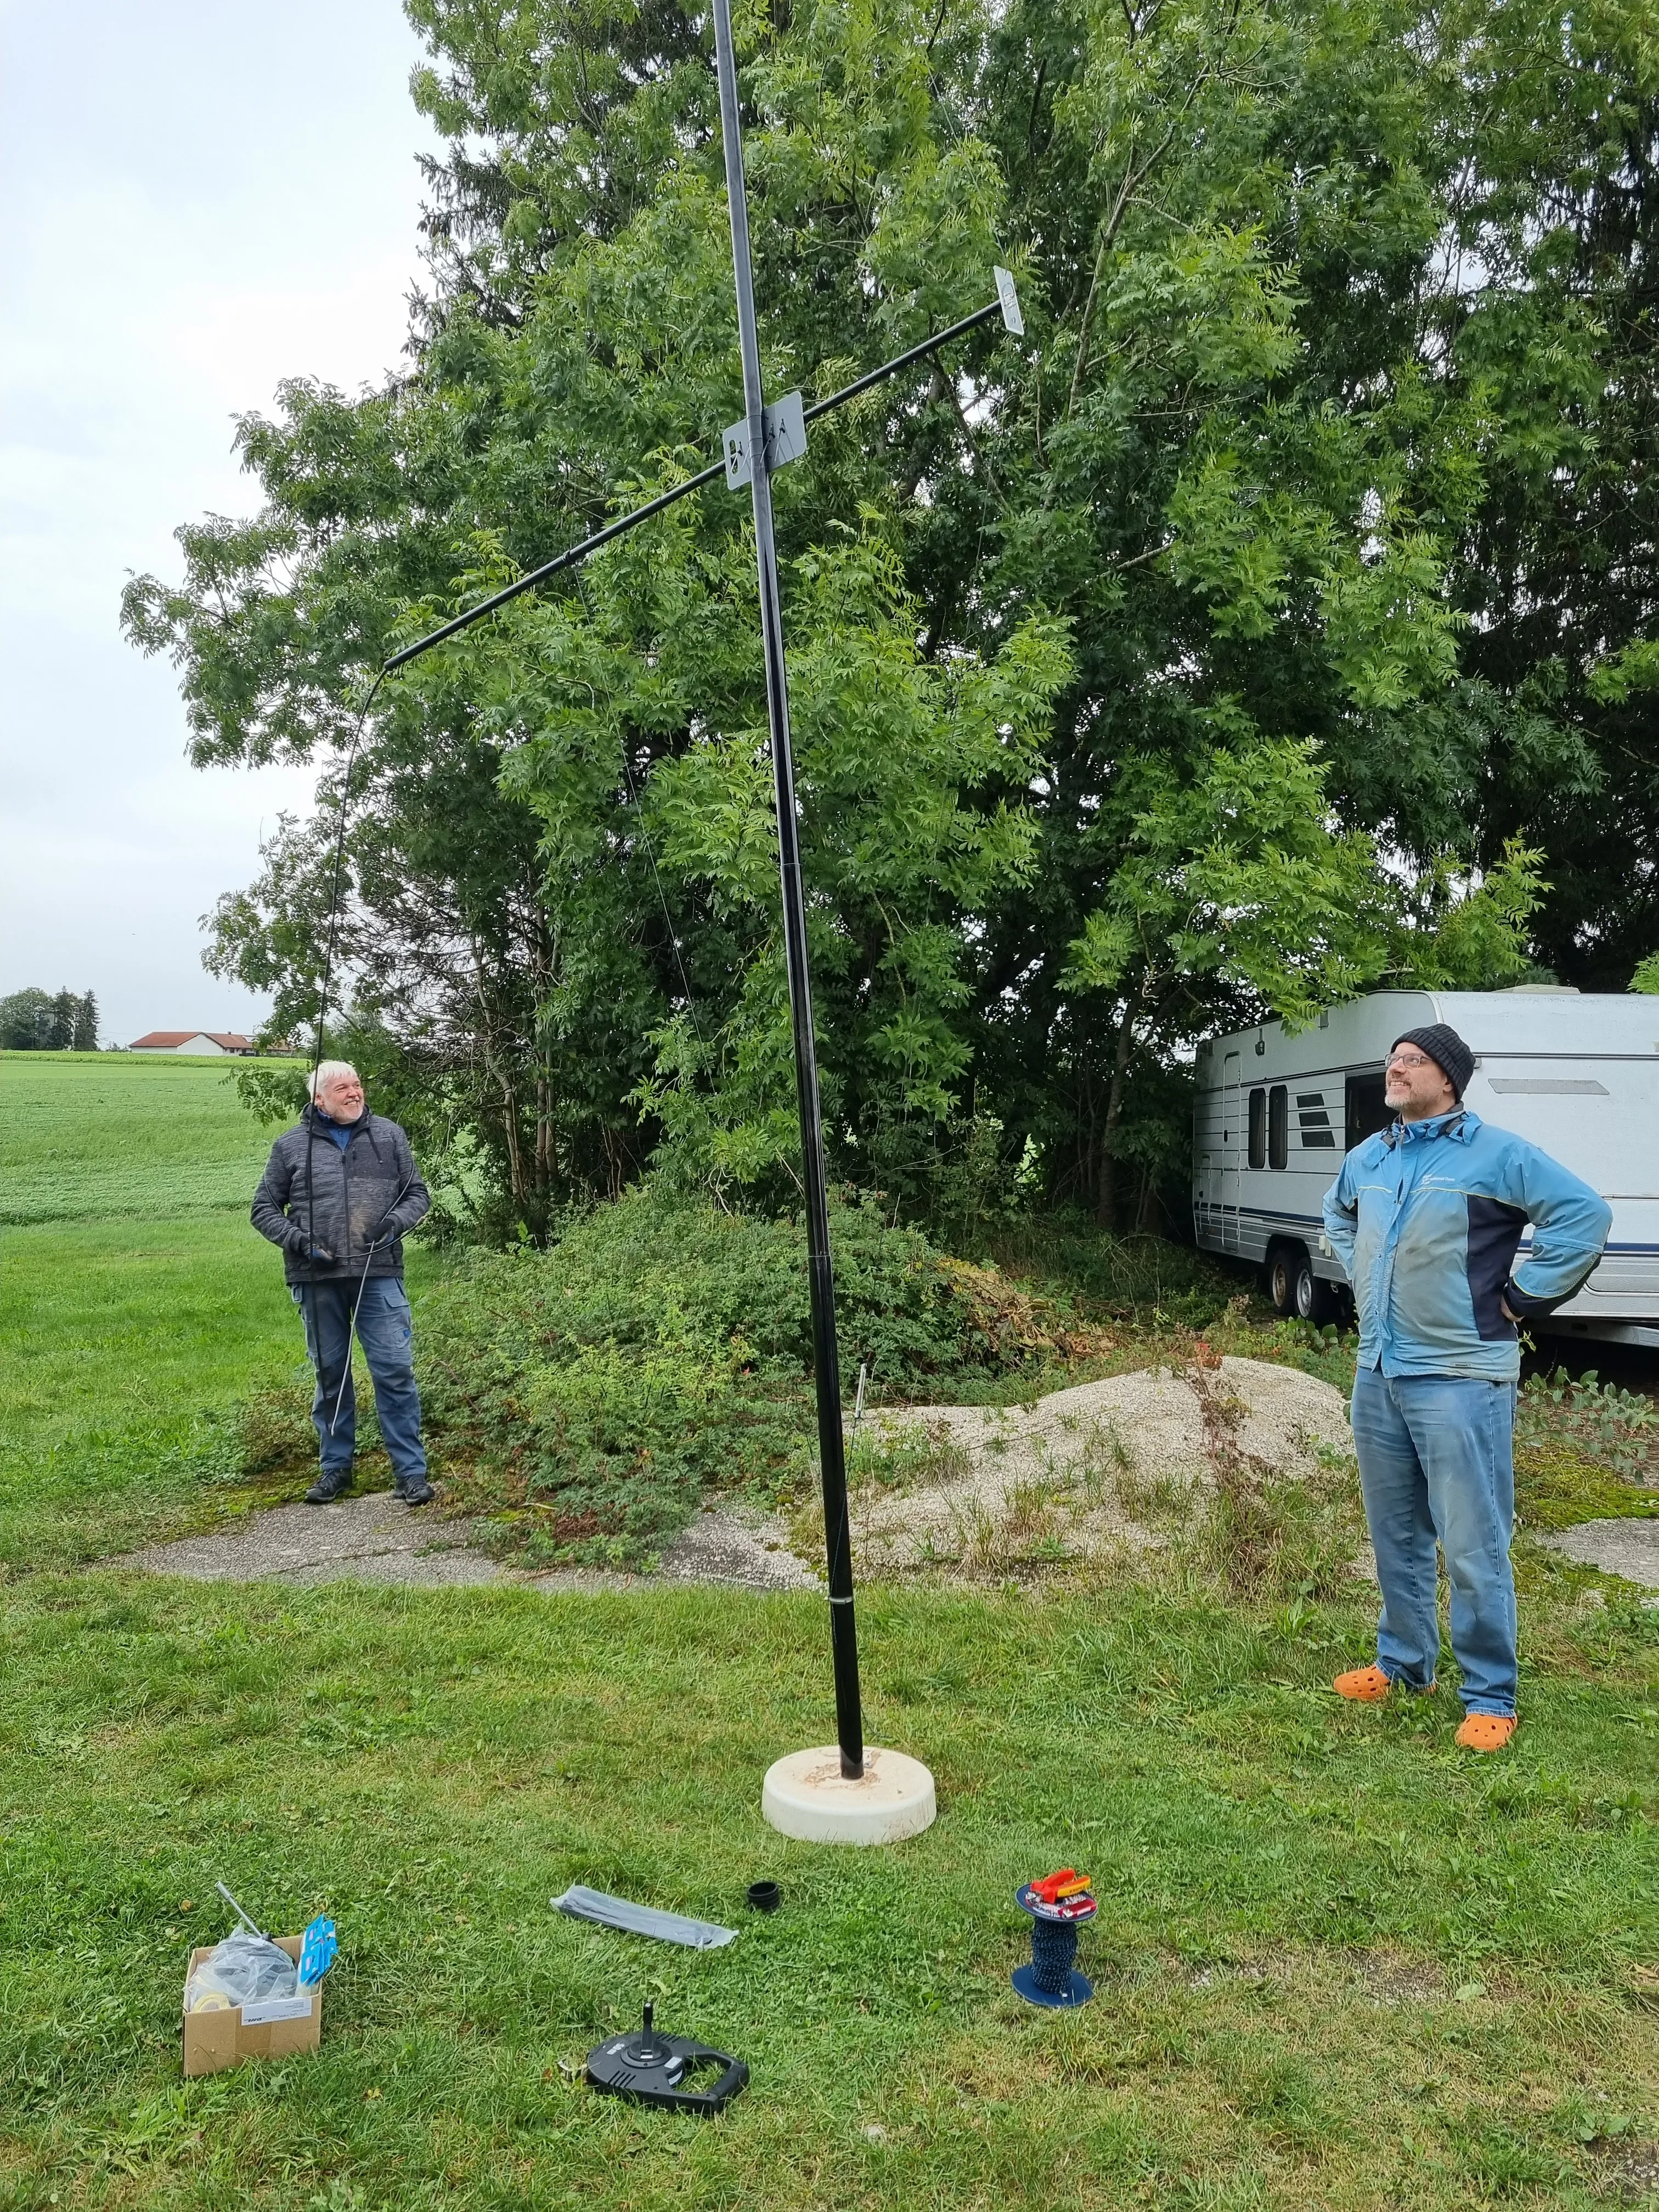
(383, 1331)
(1435, 1463)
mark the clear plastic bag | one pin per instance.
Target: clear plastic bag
(242, 1969)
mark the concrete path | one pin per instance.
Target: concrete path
(378, 1538)
(1630, 1548)
(375, 1538)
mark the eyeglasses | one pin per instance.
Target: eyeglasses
(1409, 1059)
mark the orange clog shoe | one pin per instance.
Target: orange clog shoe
(1485, 1731)
(1364, 1685)
(1369, 1685)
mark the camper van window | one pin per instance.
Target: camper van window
(1258, 1129)
(1278, 1119)
(1367, 1110)
(1316, 1132)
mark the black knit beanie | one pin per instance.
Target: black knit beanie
(1445, 1049)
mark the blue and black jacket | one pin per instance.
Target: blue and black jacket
(1427, 1218)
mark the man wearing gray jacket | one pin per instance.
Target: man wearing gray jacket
(338, 1195)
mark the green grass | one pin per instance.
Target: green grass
(112, 1136)
(1338, 1964)
(123, 1346)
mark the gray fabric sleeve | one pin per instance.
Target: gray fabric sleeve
(631, 1919)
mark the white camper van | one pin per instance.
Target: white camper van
(1578, 1074)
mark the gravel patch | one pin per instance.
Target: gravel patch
(961, 1488)
(375, 1538)
(727, 1545)
(1068, 1477)
(964, 1489)
(748, 1550)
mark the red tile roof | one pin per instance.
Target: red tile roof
(170, 1040)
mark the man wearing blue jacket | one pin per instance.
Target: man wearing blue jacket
(1426, 1218)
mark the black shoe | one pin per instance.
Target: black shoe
(416, 1491)
(331, 1483)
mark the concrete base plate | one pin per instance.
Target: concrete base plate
(806, 1795)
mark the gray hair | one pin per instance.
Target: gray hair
(327, 1072)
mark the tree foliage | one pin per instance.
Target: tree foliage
(40, 1021)
(1277, 620)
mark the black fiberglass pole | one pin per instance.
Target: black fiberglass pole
(843, 1632)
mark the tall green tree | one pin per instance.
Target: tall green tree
(1246, 477)
(39, 1021)
(1546, 308)
(1146, 675)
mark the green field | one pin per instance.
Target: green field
(1338, 1964)
(119, 1137)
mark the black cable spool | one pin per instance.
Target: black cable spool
(650, 2067)
(1051, 1979)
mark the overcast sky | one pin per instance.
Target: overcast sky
(201, 198)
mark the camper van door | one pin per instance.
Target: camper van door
(1232, 1147)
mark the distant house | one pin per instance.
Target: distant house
(197, 1041)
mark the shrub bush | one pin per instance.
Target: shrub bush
(1141, 1278)
(1584, 1450)
(588, 1394)
(1609, 1426)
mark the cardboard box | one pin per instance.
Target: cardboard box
(214, 2040)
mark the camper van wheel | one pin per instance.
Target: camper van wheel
(1281, 1277)
(1316, 1300)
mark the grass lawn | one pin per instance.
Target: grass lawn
(122, 1345)
(1337, 1964)
(108, 1136)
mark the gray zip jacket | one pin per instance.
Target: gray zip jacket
(351, 1206)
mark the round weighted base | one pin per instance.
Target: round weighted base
(1079, 1989)
(805, 1795)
